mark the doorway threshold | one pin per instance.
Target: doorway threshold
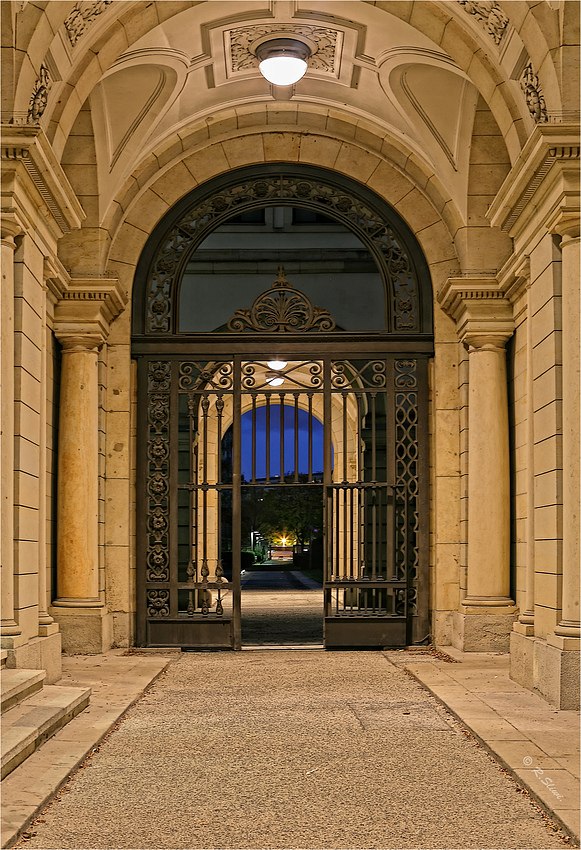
(268, 647)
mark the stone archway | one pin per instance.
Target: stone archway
(370, 387)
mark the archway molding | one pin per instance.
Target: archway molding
(399, 259)
(154, 194)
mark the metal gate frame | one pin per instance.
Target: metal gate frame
(357, 612)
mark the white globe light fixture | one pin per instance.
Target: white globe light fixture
(276, 364)
(283, 61)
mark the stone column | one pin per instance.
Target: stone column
(83, 315)
(525, 624)
(10, 629)
(46, 624)
(567, 633)
(488, 475)
(79, 610)
(485, 323)
(77, 501)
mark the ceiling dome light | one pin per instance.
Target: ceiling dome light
(276, 364)
(283, 61)
(274, 380)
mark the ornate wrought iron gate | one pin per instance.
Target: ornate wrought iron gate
(373, 410)
(363, 379)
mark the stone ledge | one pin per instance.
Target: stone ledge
(19, 684)
(28, 725)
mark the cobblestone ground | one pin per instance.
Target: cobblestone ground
(289, 749)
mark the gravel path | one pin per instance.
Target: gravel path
(289, 749)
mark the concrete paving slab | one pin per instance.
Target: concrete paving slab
(537, 743)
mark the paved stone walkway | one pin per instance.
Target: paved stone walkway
(281, 608)
(289, 749)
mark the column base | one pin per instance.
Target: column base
(11, 635)
(549, 669)
(44, 630)
(481, 628)
(84, 630)
(40, 653)
(524, 628)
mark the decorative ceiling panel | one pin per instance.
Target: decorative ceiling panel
(326, 57)
(334, 45)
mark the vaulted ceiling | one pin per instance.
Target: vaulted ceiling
(152, 78)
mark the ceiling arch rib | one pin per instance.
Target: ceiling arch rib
(394, 168)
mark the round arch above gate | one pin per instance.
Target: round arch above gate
(379, 227)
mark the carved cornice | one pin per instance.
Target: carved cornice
(86, 307)
(56, 277)
(27, 152)
(550, 147)
(480, 308)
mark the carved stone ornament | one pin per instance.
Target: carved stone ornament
(197, 222)
(326, 40)
(534, 95)
(82, 16)
(39, 97)
(282, 308)
(489, 15)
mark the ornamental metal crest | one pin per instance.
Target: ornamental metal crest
(282, 308)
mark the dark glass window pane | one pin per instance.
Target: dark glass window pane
(329, 264)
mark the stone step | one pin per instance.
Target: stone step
(18, 684)
(27, 725)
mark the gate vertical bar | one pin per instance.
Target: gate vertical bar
(267, 430)
(421, 623)
(281, 479)
(328, 481)
(236, 506)
(143, 426)
(173, 489)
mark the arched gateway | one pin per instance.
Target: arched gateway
(282, 288)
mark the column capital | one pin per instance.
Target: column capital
(569, 227)
(80, 341)
(85, 309)
(13, 223)
(481, 310)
